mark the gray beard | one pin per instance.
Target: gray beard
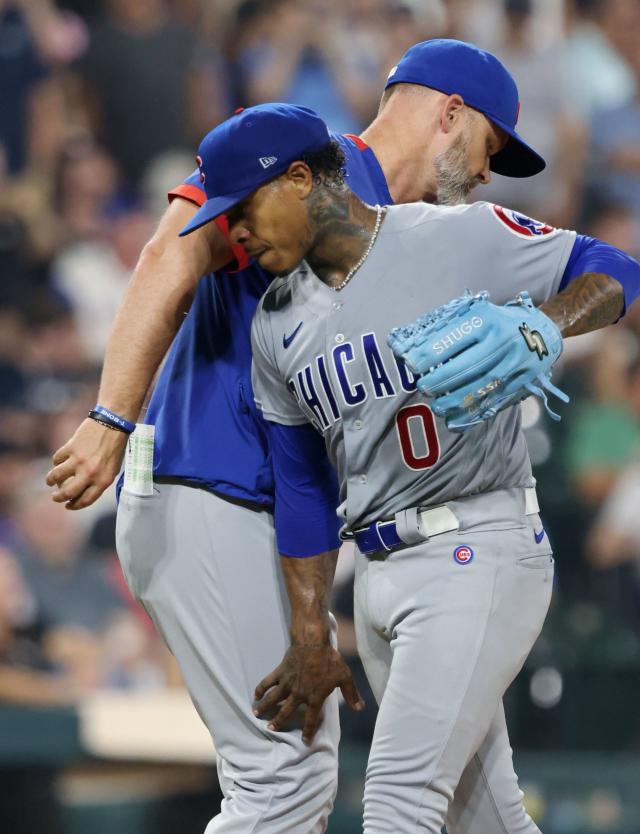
(453, 183)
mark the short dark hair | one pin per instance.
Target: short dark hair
(327, 165)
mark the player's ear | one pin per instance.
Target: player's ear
(300, 178)
(451, 112)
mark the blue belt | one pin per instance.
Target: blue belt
(418, 525)
(379, 535)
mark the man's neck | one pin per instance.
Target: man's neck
(402, 163)
(343, 229)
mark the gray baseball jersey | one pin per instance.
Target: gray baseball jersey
(321, 356)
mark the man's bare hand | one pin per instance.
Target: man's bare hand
(86, 465)
(307, 675)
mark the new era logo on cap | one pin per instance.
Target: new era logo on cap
(230, 162)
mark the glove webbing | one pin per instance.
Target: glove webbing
(440, 316)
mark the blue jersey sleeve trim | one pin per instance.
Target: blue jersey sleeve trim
(364, 173)
(592, 255)
(307, 492)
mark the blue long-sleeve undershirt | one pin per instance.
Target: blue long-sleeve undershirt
(307, 492)
(592, 255)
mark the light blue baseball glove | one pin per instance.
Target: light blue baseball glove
(474, 358)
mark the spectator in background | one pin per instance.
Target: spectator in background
(89, 629)
(103, 229)
(92, 274)
(615, 132)
(606, 432)
(37, 341)
(615, 537)
(152, 87)
(69, 590)
(599, 75)
(37, 44)
(85, 183)
(13, 462)
(407, 23)
(60, 35)
(314, 54)
(548, 117)
(15, 294)
(54, 361)
(612, 221)
(612, 548)
(27, 800)
(619, 22)
(26, 675)
(21, 70)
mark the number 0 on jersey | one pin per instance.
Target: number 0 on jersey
(418, 437)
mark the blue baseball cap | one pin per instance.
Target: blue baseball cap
(253, 146)
(484, 83)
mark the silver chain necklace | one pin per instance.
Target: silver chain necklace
(379, 215)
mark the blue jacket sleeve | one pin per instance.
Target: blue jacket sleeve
(307, 491)
(592, 255)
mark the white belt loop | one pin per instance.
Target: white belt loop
(438, 520)
(409, 526)
(531, 505)
(413, 526)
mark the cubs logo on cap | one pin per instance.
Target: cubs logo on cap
(463, 554)
(520, 224)
(199, 163)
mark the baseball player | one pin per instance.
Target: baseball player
(199, 551)
(454, 571)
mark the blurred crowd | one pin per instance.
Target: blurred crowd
(103, 105)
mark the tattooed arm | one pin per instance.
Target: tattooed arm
(306, 524)
(590, 301)
(311, 668)
(600, 283)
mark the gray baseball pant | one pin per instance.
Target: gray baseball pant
(441, 642)
(208, 573)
